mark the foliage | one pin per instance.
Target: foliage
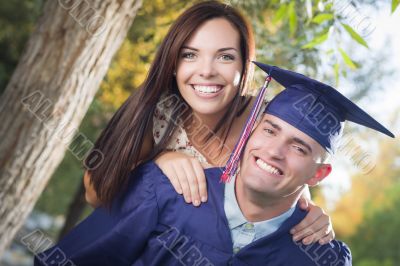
(377, 238)
(130, 65)
(17, 20)
(395, 4)
(367, 216)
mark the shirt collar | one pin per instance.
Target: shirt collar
(232, 210)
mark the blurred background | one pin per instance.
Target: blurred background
(352, 45)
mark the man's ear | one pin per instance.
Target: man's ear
(323, 171)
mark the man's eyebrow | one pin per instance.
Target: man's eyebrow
(219, 50)
(277, 127)
(303, 143)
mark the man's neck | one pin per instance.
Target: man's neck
(257, 207)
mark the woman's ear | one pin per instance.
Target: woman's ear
(323, 171)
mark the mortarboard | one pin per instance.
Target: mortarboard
(311, 106)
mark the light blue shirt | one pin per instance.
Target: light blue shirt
(242, 231)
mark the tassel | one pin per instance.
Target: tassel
(233, 162)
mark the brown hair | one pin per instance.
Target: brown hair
(120, 142)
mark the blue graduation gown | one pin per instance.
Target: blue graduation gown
(152, 225)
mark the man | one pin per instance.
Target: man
(152, 225)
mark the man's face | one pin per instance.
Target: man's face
(279, 159)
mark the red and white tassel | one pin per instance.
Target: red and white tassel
(233, 162)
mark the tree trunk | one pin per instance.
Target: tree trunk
(48, 95)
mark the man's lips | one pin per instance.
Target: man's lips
(268, 167)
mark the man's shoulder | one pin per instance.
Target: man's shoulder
(334, 253)
(143, 182)
(150, 172)
(147, 174)
(279, 244)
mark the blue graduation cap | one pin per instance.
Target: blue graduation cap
(311, 106)
(314, 107)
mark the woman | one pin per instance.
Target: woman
(192, 94)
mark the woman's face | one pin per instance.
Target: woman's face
(209, 68)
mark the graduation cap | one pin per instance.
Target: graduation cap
(314, 107)
(311, 106)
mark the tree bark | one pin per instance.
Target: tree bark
(48, 95)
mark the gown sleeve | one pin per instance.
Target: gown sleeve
(110, 237)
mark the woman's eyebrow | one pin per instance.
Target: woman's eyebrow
(227, 48)
(219, 50)
(190, 48)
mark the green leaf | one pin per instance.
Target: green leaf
(292, 18)
(336, 69)
(344, 73)
(316, 41)
(330, 52)
(280, 14)
(309, 9)
(395, 4)
(321, 18)
(355, 35)
(347, 59)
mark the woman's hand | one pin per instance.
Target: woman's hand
(186, 175)
(315, 227)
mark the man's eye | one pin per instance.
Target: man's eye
(299, 149)
(269, 131)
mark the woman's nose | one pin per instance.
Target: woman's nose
(207, 68)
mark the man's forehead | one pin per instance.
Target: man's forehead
(290, 130)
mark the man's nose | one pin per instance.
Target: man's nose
(276, 149)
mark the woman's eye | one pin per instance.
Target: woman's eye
(188, 55)
(227, 57)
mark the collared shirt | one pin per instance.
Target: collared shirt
(242, 231)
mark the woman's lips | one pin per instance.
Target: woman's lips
(207, 91)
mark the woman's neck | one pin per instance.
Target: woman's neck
(199, 120)
(201, 133)
(216, 150)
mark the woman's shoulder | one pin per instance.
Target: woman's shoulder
(162, 115)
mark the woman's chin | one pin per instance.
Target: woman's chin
(208, 110)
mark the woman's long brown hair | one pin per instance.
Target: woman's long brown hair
(120, 142)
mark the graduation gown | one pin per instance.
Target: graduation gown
(152, 225)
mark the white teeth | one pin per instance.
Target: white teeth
(207, 89)
(263, 165)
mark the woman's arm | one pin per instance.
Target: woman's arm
(186, 175)
(90, 192)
